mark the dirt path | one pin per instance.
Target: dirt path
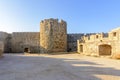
(58, 67)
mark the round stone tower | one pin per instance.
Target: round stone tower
(53, 36)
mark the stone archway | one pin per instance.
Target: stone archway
(105, 49)
(26, 50)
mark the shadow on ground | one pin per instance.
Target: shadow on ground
(48, 68)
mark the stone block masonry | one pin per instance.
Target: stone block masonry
(53, 36)
(1, 48)
(101, 44)
(25, 42)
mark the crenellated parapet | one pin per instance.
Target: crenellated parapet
(94, 37)
(101, 44)
(112, 35)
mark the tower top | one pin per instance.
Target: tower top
(52, 20)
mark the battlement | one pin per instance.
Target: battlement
(112, 35)
(100, 43)
(53, 37)
(51, 20)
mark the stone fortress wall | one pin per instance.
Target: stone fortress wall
(100, 44)
(25, 42)
(1, 48)
(3, 41)
(17, 42)
(3, 36)
(53, 36)
(72, 41)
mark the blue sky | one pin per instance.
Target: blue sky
(82, 16)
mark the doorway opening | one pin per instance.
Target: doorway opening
(105, 49)
(26, 50)
(81, 48)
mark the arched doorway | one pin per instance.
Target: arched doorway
(105, 49)
(26, 50)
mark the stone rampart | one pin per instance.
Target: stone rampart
(25, 40)
(53, 36)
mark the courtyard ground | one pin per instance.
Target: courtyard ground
(58, 67)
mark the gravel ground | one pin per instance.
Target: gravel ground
(58, 67)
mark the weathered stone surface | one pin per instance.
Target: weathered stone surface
(4, 39)
(116, 56)
(53, 36)
(101, 44)
(53, 39)
(72, 41)
(22, 41)
(1, 48)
